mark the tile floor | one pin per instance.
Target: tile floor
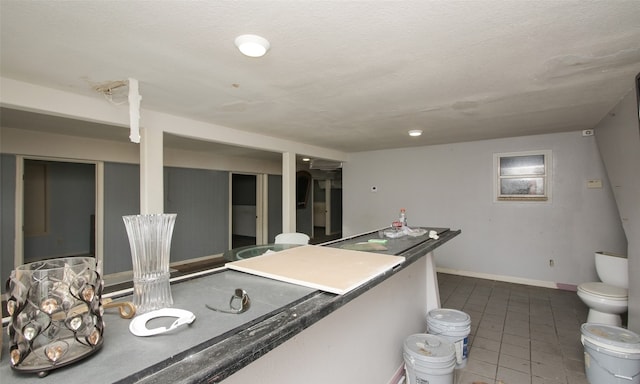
(519, 334)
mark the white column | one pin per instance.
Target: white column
(99, 245)
(261, 209)
(151, 171)
(288, 192)
(433, 292)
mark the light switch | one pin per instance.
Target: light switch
(594, 183)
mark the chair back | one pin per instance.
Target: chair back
(292, 238)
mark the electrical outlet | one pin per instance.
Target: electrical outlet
(596, 183)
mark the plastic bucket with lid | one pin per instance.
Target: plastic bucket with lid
(455, 326)
(429, 359)
(611, 354)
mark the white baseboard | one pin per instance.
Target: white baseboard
(117, 278)
(127, 276)
(196, 259)
(507, 279)
(398, 377)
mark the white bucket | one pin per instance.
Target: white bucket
(455, 326)
(429, 359)
(611, 354)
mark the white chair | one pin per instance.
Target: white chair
(292, 238)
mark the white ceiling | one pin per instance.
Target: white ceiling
(346, 75)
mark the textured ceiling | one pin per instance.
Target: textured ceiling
(346, 75)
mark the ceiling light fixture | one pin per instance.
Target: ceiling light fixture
(415, 132)
(252, 45)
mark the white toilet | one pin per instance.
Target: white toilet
(607, 299)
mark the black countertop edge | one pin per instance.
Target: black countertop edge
(150, 370)
(217, 361)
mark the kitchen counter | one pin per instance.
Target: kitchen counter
(217, 346)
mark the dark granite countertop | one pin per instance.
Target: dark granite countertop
(201, 354)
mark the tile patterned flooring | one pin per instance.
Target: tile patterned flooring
(519, 334)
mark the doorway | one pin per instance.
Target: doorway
(245, 210)
(327, 210)
(58, 210)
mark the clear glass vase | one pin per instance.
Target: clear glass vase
(150, 240)
(56, 313)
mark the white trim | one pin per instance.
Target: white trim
(127, 276)
(506, 279)
(18, 253)
(197, 259)
(99, 217)
(399, 376)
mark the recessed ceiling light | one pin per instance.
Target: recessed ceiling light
(415, 132)
(252, 45)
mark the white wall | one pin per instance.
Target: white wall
(618, 137)
(360, 342)
(452, 186)
(30, 143)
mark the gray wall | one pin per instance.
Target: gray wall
(200, 198)
(618, 137)
(7, 215)
(121, 197)
(452, 186)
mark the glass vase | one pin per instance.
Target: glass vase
(56, 313)
(150, 241)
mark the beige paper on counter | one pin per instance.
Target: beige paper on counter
(329, 269)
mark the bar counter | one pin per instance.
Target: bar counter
(219, 346)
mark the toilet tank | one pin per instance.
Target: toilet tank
(612, 269)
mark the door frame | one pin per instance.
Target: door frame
(262, 216)
(18, 256)
(327, 207)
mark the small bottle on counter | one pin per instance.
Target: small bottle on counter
(403, 217)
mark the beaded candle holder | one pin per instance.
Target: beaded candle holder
(56, 313)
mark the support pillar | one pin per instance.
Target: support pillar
(151, 171)
(288, 192)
